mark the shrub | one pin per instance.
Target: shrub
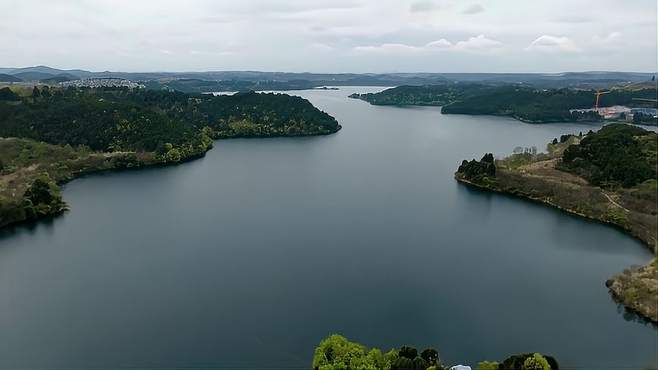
(488, 365)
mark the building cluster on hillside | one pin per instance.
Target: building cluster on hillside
(103, 82)
(619, 112)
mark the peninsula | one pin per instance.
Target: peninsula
(609, 176)
(527, 103)
(52, 135)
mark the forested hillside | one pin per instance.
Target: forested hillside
(615, 155)
(50, 136)
(522, 102)
(144, 120)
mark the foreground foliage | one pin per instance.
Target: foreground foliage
(338, 353)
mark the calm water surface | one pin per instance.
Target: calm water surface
(251, 255)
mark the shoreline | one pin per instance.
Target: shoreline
(618, 285)
(146, 160)
(542, 201)
(542, 179)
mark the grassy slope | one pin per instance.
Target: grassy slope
(24, 160)
(633, 209)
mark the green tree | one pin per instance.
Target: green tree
(488, 365)
(41, 191)
(420, 364)
(536, 362)
(408, 352)
(403, 363)
(431, 356)
(336, 352)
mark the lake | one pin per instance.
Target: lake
(250, 256)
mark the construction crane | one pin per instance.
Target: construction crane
(598, 96)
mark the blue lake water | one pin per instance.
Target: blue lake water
(251, 255)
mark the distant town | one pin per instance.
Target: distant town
(103, 82)
(620, 112)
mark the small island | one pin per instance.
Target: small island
(337, 353)
(609, 176)
(635, 103)
(49, 136)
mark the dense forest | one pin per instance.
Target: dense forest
(121, 119)
(338, 353)
(615, 155)
(522, 102)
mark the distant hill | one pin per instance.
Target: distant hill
(8, 78)
(78, 73)
(228, 80)
(33, 76)
(63, 77)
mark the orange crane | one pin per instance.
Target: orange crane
(598, 96)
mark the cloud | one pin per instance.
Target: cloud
(422, 6)
(296, 35)
(439, 44)
(473, 9)
(473, 44)
(388, 48)
(611, 41)
(553, 44)
(573, 19)
(320, 47)
(479, 43)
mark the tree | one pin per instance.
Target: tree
(7, 94)
(336, 352)
(478, 170)
(403, 363)
(431, 356)
(40, 191)
(536, 362)
(408, 352)
(420, 364)
(488, 365)
(35, 92)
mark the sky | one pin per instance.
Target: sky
(331, 36)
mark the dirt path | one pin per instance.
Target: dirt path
(614, 202)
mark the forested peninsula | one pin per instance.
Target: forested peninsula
(51, 135)
(338, 353)
(608, 176)
(522, 102)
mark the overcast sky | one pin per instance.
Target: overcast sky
(331, 35)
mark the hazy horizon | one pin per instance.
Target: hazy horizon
(96, 70)
(338, 36)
